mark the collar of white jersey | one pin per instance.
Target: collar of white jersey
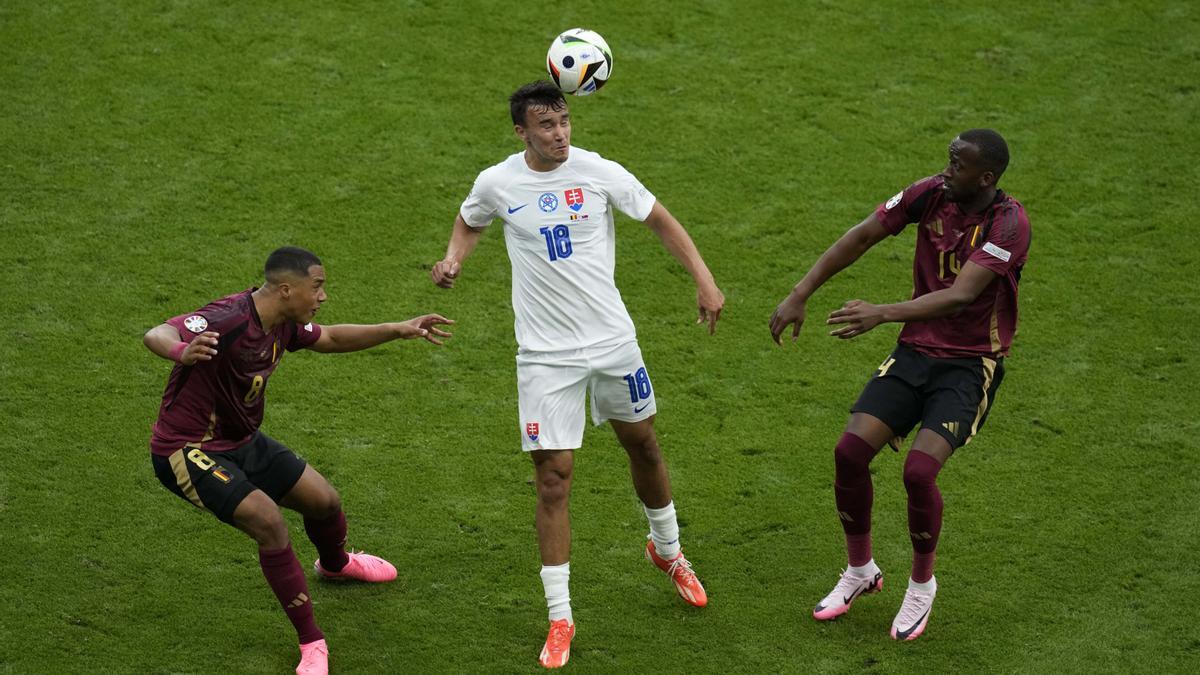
(571, 151)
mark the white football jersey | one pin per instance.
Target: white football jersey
(561, 242)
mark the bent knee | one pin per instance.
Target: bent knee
(852, 455)
(554, 487)
(327, 506)
(920, 470)
(268, 528)
(646, 452)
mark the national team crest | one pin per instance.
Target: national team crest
(548, 202)
(574, 198)
(531, 430)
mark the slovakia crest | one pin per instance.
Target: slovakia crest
(574, 198)
(548, 202)
(531, 430)
(195, 323)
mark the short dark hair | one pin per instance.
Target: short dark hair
(289, 260)
(992, 148)
(542, 94)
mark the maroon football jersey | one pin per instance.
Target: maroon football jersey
(217, 405)
(997, 238)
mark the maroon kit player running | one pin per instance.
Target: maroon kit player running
(972, 241)
(207, 447)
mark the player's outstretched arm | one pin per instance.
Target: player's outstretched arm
(164, 341)
(855, 242)
(859, 317)
(462, 241)
(709, 299)
(349, 337)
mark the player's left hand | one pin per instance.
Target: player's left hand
(858, 316)
(425, 326)
(711, 301)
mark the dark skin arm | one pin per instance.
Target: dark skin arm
(163, 338)
(348, 337)
(859, 317)
(855, 242)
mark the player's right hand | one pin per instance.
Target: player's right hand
(790, 311)
(444, 272)
(203, 348)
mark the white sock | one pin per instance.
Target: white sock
(865, 571)
(929, 587)
(664, 530)
(555, 579)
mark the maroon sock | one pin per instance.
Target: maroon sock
(286, 577)
(329, 536)
(924, 511)
(854, 493)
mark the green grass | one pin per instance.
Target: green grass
(152, 153)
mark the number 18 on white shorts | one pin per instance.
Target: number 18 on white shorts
(551, 387)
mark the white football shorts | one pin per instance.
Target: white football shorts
(551, 387)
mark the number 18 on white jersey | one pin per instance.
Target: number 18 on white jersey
(561, 241)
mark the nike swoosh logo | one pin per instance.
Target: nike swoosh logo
(638, 410)
(902, 634)
(861, 590)
(512, 210)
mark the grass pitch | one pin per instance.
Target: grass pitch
(154, 152)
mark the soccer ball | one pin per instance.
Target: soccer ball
(579, 61)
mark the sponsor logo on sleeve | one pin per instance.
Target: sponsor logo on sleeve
(891, 203)
(574, 198)
(531, 430)
(548, 202)
(997, 252)
(195, 323)
(308, 326)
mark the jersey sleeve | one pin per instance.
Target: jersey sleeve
(1006, 243)
(478, 210)
(907, 205)
(625, 191)
(303, 336)
(212, 317)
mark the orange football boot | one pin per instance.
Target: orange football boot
(680, 571)
(557, 650)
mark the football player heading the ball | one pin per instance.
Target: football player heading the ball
(207, 447)
(556, 202)
(972, 241)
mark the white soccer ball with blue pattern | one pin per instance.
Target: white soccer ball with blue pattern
(579, 61)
